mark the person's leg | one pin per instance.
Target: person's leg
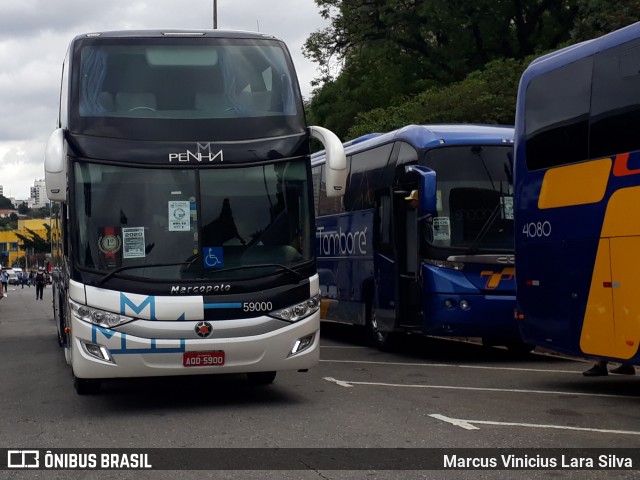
(624, 369)
(599, 369)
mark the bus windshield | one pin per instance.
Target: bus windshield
(474, 199)
(192, 224)
(208, 82)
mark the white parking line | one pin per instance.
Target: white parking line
(468, 425)
(349, 383)
(481, 367)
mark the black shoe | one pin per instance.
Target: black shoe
(596, 371)
(624, 369)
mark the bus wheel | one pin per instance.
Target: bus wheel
(383, 340)
(518, 347)
(261, 378)
(86, 386)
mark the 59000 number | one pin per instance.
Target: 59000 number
(257, 306)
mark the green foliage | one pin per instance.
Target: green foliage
(598, 17)
(5, 203)
(34, 242)
(485, 96)
(425, 61)
(8, 223)
(42, 212)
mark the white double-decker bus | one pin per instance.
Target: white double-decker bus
(181, 166)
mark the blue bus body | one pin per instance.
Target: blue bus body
(443, 266)
(577, 159)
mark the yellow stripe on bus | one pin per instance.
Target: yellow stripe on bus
(577, 184)
(598, 336)
(611, 324)
(622, 218)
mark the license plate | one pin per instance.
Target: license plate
(203, 359)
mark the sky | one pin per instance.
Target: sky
(35, 34)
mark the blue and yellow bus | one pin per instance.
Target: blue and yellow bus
(577, 154)
(443, 266)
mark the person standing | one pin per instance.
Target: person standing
(41, 279)
(4, 278)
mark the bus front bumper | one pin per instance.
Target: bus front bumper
(100, 353)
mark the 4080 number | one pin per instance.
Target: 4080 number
(537, 229)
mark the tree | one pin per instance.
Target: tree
(597, 17)
(393, 49)
(5, 203)
(387, 63)
(34, 242)
(485, 96)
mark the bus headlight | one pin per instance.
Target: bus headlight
(445, 264)
(97, 316)
(298, 311)
(98, 351)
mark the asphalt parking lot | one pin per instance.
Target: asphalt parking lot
(430, 394)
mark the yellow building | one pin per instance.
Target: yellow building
(10, 244)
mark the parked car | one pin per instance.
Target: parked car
(13, 276)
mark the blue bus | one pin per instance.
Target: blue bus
(577, 170)
(181, 168)
(441, 264)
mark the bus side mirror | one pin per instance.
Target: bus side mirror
(427, 194)
(55, 167)
(336, 163)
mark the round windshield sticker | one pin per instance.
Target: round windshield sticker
(179, 213)
(109, 243)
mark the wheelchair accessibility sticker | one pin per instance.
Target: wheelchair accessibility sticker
(212, 257)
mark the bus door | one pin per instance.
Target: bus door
(415, 217)
(398, 238)
(385, 290)
(408, 298)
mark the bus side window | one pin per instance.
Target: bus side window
(557, 116)
(365, 176)
(614, 101)
(383, 225)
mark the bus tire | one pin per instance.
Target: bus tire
(518, 347)
(86, 386)
(261, 378)
(385, 341)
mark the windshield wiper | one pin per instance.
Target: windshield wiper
(258, 265)
(477, 150)
(132, 267)
(229, 269)
(484, 230)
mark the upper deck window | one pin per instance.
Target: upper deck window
(557, 116)
(183, 89)
(190, 81)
